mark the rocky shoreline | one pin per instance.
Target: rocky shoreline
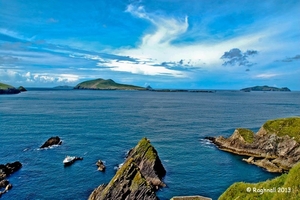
(269, 148)
(5, 171)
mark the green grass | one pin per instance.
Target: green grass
(289, 184)
(247, 134)
(284, 126)
(145, 148)
(5, 86)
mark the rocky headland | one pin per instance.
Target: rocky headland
(138, 178)
(5, 171)
(275, 147)
(52, 141)
(8, 89)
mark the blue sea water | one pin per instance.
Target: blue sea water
(106, 124)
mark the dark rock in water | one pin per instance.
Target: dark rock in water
(138, 178)
(101, 166)
(52, 141)
(5, 171)
(9, 168)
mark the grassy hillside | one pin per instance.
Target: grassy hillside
(286, 186)
(102, 84)
(285, 126)
(5, 86)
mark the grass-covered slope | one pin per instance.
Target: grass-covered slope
(284, 126)
(102, 84)
(286, 186)
(5, 86)
(247, 134)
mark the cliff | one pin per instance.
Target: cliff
(101, 84)
(265, 88)
(286, 186)
(138, 178)
(275, 147)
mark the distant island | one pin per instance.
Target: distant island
(8, 89)
(265, 88)
(63, 87)
(109, 84)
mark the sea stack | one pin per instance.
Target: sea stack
(138, 178)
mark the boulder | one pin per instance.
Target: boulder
(52, 141)
(138, 178)
(5, 171)
(101, 166)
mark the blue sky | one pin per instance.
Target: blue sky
(226, 44)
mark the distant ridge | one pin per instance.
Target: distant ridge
(109, 84)
(265, 88)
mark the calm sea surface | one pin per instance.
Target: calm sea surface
(106, 124)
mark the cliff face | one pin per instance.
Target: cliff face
(138, 178)
(275, 149)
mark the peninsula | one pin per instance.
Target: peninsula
(265, 88)
(275, 147)
(109, 84)
(8, 89)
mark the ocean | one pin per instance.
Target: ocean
(106, 124)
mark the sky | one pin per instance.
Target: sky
(190, 44)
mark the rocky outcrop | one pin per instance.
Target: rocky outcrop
(138, 178)
(5, 171)
(275, 146)
(52, 141)
(22, 89)
(100, 165)
(146, 158)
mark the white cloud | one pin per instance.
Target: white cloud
(159, 45)
(142, 68)
(266, 75)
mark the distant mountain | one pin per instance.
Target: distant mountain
(109, 84)
(8, 89)
(265, 88)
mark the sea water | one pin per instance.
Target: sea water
(106, 124)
